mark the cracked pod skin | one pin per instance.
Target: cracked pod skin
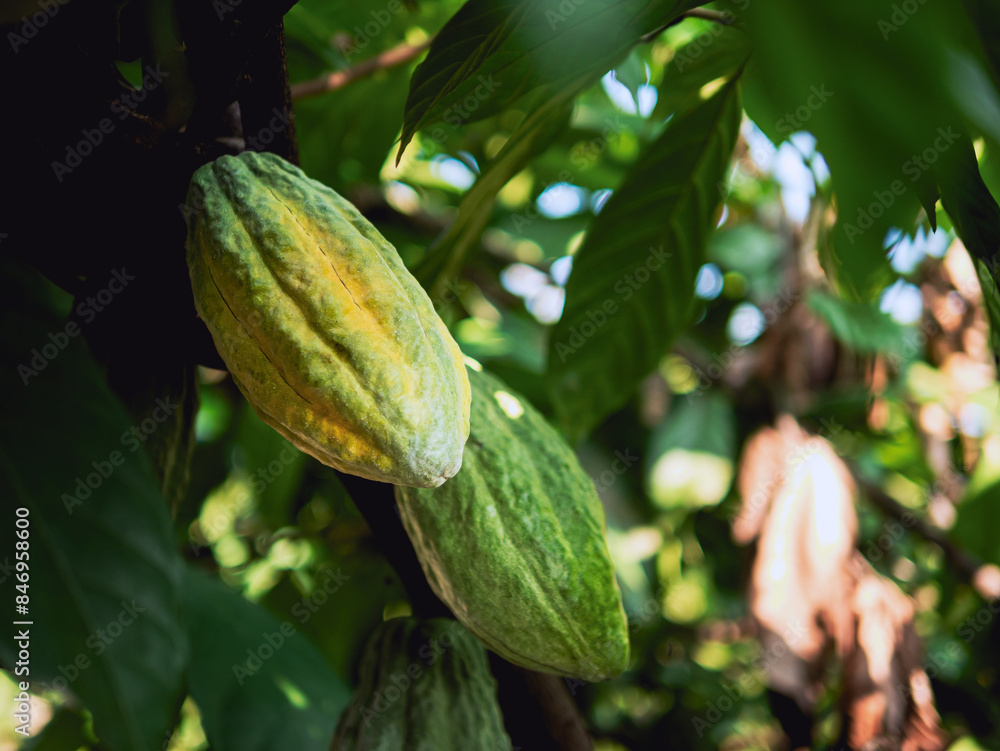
(514, 543)
(323, 329)
(424, 686)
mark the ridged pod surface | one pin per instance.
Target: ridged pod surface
(325, 332)
(514, 544)
(424, 686)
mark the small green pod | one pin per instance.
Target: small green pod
(424, 686)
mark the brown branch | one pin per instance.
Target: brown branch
(980, 577)
(538, 706)
(710, 15)
(265, 102)
(721, 17)
(391, 58)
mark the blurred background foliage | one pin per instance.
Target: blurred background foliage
(895, 370)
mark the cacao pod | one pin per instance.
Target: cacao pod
(325, 332)
(514, 544)
(424, 686)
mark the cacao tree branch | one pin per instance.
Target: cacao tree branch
(220, 39)
(538, 709)
(968, 565)
(704, 13)
(377, 504)
(531, 701)
(390, 58)
(265, 99)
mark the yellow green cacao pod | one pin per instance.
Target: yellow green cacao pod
(424, 686)
(325, 332)
(514, 544)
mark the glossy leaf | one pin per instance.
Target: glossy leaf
(976, 218)
(259, 684)
(717, 53)
(632, 286)
(105, 578)
(882, 115)
(492, 52)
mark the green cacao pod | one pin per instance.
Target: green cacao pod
(514, 544)
(424, 686)
(325, 332)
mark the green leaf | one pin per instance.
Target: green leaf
(692, 453)
(985, 15)
(259, 684)
(859, 325)
(632, 286)
(976, 218)
(532, 136)
(105, 578)
(875, 112)
(66, 731)
(492, 52)
(717, 53)
(975, 528)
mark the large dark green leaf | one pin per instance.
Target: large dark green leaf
(976, 218)
(105, 579)
(66, 731)
(985, 15)
(866, 79)
(492, 52)
(632, 286)
(258, 682)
